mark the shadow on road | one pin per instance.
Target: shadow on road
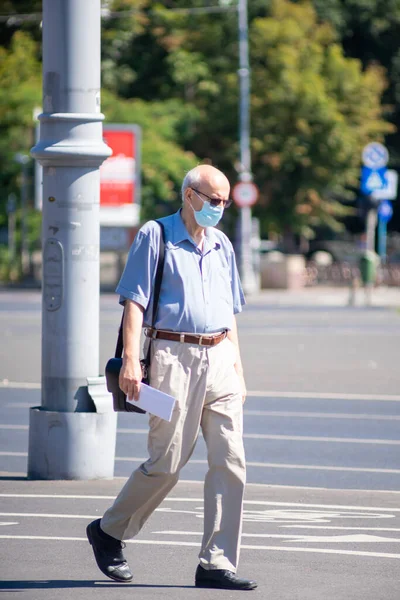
(71, 583)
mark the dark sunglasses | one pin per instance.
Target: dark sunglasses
(214, 201)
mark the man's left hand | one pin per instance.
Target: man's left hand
(242, 384)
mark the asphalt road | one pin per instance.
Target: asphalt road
(322, 515)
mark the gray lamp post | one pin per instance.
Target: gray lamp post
(248, 276)
(68, 437)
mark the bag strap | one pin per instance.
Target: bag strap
(157, 288)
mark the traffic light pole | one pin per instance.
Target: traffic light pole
(69, 437)
(246, 267)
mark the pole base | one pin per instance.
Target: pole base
(67, 445)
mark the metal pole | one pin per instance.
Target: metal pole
(244, 79)
(372, 219)
(23, 160)
(382, 239)
(11, 208)
(248, 277)
(68, 439)
(24, 228)
(38, 167)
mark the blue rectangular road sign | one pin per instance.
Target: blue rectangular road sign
(372, 179)
(390, 191)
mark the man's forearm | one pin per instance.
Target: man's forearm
(233, 336)
(133, 323)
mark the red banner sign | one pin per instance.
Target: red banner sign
(120, 177)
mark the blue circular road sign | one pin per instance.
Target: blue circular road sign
(375, 155)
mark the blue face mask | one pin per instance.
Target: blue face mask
(208, 216)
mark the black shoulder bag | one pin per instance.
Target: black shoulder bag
(114, 365)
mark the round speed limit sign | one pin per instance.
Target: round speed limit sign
(245, 193)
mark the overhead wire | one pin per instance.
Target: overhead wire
(15, 19)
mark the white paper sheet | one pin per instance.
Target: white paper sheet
(155, 402)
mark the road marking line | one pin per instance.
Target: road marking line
(281, 466)
(312, 331)
(196, 513)
(69, 516)
(197, 482)
(293, 438)
(341, 528)
(3, 453)
(196, 545)
(256, 436)
(334, 539)
(63, 496)
(262, 393)
(304, 438)
(200, 500)
(268, 486)
(20, 385)
(266, 516)
(251, 413)
(260, 465)
(277, 486)
(327, 396)
(48, 515)
(259, 413)
(321, 415)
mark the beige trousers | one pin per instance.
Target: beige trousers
(206, 387)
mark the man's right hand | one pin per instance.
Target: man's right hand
(130, 378)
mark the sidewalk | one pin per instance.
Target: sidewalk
(322, 296)
(380, 297)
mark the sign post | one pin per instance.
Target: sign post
(385, 213)
(11, 209)
(375, 157)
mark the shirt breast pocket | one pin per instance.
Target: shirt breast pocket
(224, 289)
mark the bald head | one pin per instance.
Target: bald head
(208, 178)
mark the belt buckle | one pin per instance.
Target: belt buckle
(181, 338)
(201, 340)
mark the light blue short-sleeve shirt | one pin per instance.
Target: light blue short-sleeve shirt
(200, 291)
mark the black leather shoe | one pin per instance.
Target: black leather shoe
(222, 579)
(108, 553)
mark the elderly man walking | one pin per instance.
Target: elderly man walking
(195, 357)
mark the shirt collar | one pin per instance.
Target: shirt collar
(180, 233)
(211, 239)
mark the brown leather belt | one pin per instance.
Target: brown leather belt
(188, 338)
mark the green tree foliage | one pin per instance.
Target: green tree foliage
(20, 93)
(174, 71)
(370, 30)
(312, 108)
(313, 111)
(163, 160)
(13, 18)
